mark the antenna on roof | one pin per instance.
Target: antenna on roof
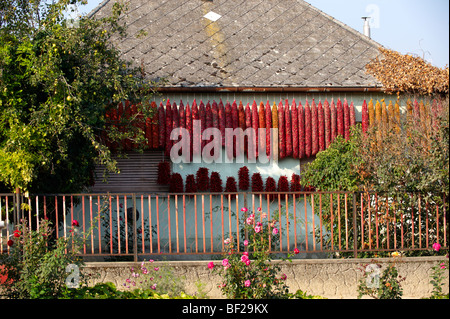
(366, 28)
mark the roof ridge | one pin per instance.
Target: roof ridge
(345, 26)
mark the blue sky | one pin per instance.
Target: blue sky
(419, 27)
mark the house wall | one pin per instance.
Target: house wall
(330, 278)
(286, 166)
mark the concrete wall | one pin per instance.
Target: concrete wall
(330, 278)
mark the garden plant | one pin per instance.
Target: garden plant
(252, 274)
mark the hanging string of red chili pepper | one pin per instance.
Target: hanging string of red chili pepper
(302, 131)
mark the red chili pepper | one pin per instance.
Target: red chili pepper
(340, 118)
(222, 121)
(288, 129)
(321, 124)
(268, 118)
(308, 146)
(327, 112)
(255, 125)
(155, 126)
(365, 117)
(301, 131)
(281, 131)
(162, 125)
(333, 121)
(294, 114)
(168, 127)
(346, 120)
(314, 129)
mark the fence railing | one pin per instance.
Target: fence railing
(315, 223)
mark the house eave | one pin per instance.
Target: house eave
(241, 89)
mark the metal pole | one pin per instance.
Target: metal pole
(134, 229)
(355, 231)
(17, 216)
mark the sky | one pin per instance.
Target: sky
(418, 27)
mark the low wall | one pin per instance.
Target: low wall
(330, 278)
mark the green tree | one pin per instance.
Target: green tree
(337, 167)
(57, 81)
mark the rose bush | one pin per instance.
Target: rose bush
(250, 273)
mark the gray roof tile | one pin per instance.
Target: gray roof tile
(256, 43)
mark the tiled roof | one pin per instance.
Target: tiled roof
(254, 43)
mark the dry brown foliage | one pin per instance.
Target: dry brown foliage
(404, 73)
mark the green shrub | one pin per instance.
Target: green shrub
(380, 285)
(36, 266)
(160, 279)
(109, 291)
(250, 274)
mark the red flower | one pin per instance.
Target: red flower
(17, 233)
(75, 223)
(296, 251)
(10, 243)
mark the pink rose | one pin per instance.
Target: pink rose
(296, 251)
(226, 263)
(257, 229)
(275, 231)
(245, 242)
(245, 259)
(211, 265)
(244, 209)
(436, 246)
(247, 283)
